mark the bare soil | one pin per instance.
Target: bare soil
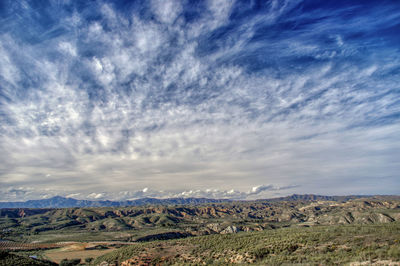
(59, 255)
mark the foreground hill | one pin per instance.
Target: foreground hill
(145, 223)
(325, 245)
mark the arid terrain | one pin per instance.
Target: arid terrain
(280, 230)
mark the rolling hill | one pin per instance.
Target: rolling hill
(150, 222)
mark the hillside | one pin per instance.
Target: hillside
(7, 259)
(296, 229)
(326, 245)
(143, 223)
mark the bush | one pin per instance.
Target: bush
(72, 262)
(260, 253)
(394, 252)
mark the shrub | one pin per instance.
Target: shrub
(72, 262)
(260, 253)
(394, 252)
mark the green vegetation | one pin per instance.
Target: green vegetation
(312, 231)
(66, 262)
(7, 259)
(337, 244)
(131, 223)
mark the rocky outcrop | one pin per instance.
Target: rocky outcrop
(214, 227)
(230, 230)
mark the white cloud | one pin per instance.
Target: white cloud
(167, 11)
(220, 10)
(23, 194)
(68, 48)
(73, 195)
(95, 196)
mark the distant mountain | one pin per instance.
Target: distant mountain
(310, 197)
(62, 202)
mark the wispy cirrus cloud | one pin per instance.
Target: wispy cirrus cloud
(184, 96)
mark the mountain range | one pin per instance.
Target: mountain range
(63, 202)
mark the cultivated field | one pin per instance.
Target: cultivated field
(58, 255)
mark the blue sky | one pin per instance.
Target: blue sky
(225, 99)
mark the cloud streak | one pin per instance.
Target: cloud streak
(25, 193)
(171, 95)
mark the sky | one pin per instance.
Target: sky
(219, 99)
